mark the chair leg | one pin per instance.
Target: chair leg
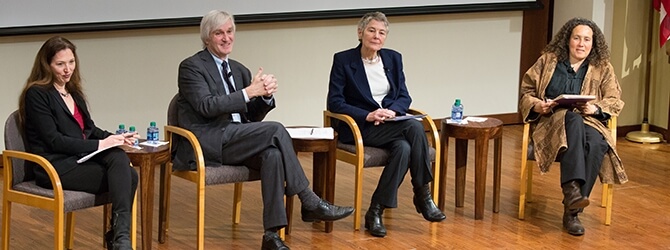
(523, 185)
(6, 210)
(529, 188)
(237, 203)
(288, 201)
(608, 208)
(288, 204)
(106, 217)
(358, 197)
(523, 172)
(201, 215)
(69, 231)
(603, 200)
(58, 229)
(282, 233)
(164, 209)
(435, 187)
(133, 223)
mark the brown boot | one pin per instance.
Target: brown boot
(571, 222)
(572, 196)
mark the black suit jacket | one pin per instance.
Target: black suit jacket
(204, 108)
(349, 91)
(52, 132)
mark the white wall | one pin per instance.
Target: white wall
(629, 56)
(130, 76)
(600, 11)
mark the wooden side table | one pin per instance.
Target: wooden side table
(146, 159)
(481, 132)
(323, 173)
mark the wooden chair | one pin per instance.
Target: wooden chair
(526, 183)
(19, 187)
(365, 156)
(203, 176)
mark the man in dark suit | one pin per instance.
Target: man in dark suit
(223, 105)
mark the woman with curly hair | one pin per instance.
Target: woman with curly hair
(576, 62)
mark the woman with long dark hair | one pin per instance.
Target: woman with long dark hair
(58, 127)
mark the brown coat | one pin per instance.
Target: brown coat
(549, 130)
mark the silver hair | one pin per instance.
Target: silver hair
(211, 21)
(378, 16)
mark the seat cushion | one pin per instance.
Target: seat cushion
(374, 157)
(222, 174)
(73, 200)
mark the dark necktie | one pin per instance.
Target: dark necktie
(226, 76)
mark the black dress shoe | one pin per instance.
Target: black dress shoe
(109, 239)
(572, 196)
(272, 241)
(424, 204)
(571, 222)
(373, 220)
(325, 211)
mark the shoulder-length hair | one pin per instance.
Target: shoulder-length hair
(559, 45)
(42, 75)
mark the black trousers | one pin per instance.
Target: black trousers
(408, 146)
(268, 148)
(108, 171)
(584, 155)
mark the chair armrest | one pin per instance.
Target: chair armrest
(525, 140)
(358, 138)
(413, 111)
(7, 156)
(611, 124)
(195, 144)
(429, 126)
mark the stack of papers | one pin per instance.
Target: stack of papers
(153, 144)
(88, 156)
(450, 121)
(467, 119)
(475, 119)
(404, 117)
(311, 133)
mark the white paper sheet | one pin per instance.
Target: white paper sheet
(311, 133)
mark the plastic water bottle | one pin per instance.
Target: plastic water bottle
(136, 142)
(121, 130)
(457, 111)
(152, 133)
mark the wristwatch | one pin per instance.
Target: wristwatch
(598, 111)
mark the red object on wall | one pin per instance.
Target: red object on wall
(663, 6)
